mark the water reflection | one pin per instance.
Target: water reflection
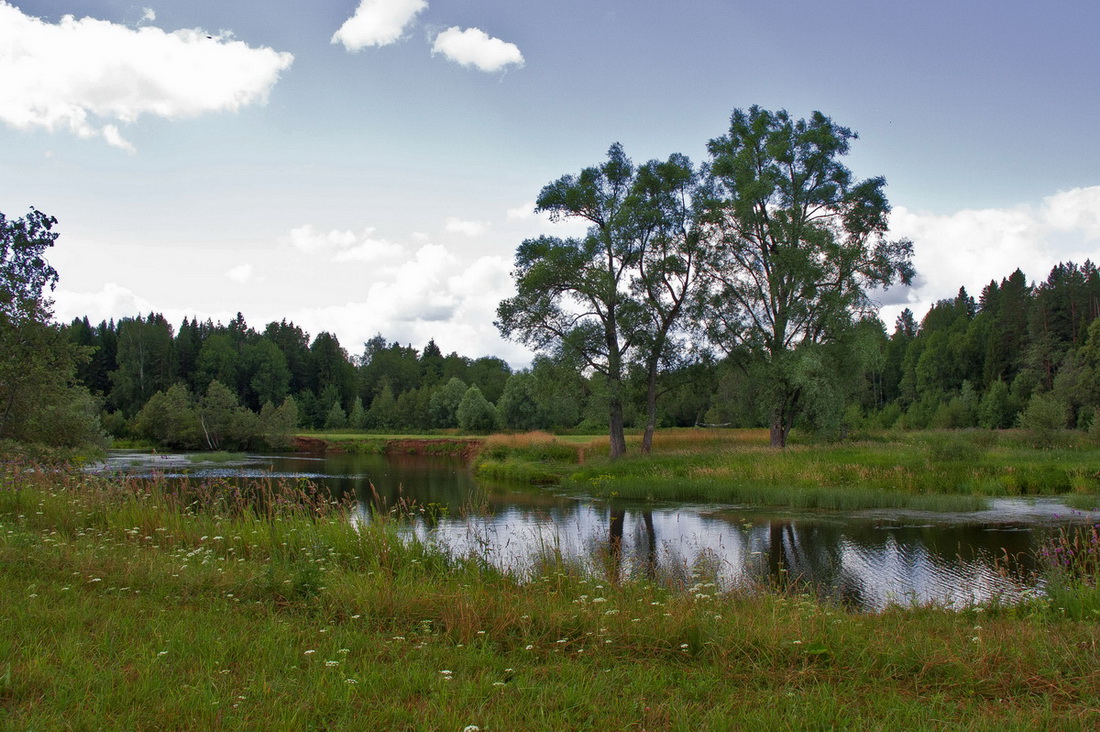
(866, 560)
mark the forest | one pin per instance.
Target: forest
(969, 362)
(740, 293)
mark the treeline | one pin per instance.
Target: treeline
(1019, 354)
(214, 385)
(1018, 351)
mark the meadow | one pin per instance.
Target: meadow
(944, 471)
(127, 604)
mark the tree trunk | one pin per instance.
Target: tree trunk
(650, 412)
(615, 429)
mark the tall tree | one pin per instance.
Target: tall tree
(573, 294)
(670, 235)
(799, 243)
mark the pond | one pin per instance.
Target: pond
(866, 559)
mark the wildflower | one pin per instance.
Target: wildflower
(797, 642)
(529, 648)
(310, 651)
(332, 664)
(445, 672)
(344, 650)
(162, 653)
(471, 728)
(350, 681)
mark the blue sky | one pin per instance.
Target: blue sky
(379, 178)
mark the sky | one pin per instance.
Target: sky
(370, 166)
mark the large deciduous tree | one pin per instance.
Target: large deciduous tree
(574, 293)
(798, 245)
(615, 294)
(670, 234)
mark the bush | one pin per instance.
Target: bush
(1044, 418)
(475, 413)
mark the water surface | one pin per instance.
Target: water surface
(867, 559)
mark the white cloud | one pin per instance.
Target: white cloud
(148, 15)
(468, 228)
(241, 274)
(970, 248)
(433, 294)
(474, 47)
(522, 212)
(378, 23)
(343, 246)
(540, 223)
(1074, 210)
(112, 301)
(81, 75)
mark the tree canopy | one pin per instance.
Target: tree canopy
(797, 245)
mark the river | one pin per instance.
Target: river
(865, 559)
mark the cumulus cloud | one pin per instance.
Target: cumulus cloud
(468, 228)
(474, 47)
(377, 23)
(148, 15)
(970, 248)
(432, 294)
(1074, 210)
(85, 75)
(343, 246)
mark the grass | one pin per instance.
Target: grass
(219, 456)
(124, 605)
(942, 471)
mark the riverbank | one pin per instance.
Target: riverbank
(366, 444)
(125, 609)
(948, 471)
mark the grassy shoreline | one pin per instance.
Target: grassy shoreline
(124, 607)
(945, 471)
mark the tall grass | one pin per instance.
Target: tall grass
(125, 604)
(937, 471)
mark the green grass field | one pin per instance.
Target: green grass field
(126, 606)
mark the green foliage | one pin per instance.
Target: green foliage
(278, 425)
(445, 402)
(170, 418)
(517, 408)
(998, 408)
(475, 413)
(39, 402)
(800, 244)
(383, 410)
(1044, 418)
(336, 419)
